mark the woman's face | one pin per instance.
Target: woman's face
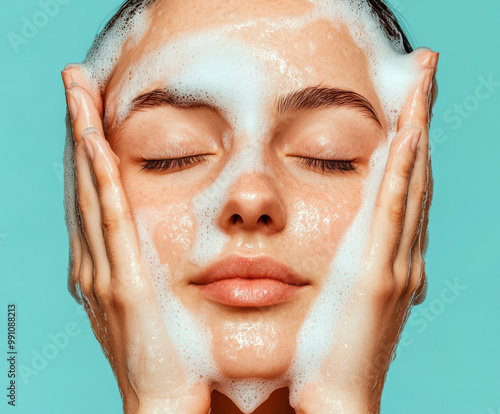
(255, 189)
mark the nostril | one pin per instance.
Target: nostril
(236, 218)
(264, 218)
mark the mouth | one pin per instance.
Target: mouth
(248, 281)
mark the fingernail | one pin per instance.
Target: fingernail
(431, 61)
(73, 108)
(67, 77)
(88, 147)
(435, 60)
(415, 139)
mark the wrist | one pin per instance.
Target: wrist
(165, 407)
(196, 403)
(322, 400)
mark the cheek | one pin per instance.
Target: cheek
(173, 233)
(171, 223)
(318, 221)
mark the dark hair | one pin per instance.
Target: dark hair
(385, 15)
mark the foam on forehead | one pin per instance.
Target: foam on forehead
(392, 72)
(107, 47)
(204, 67)
(214, 52)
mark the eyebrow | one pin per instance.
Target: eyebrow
(313, 97)
(160, 97)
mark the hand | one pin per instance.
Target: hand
(393, 275)
(110, 278)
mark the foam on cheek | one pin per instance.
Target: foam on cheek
(317, 334)
(187, 334)
(227, 74)
(392, 74)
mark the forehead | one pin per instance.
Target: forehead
(320, 52)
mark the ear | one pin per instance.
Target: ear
(75, 74)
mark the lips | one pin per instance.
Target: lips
(244, 281)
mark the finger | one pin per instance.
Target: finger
(415, 280)
(86, 272)
(424, 242)
(75, 257)
(417, 114)
(415, 203)
(90, 211)
(389, 210)
(74, 75)
(423, 92)
(120, 234)
(98, 324)
(421, 290)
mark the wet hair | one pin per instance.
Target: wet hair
(383, 13)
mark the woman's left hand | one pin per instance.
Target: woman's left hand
(393, 274)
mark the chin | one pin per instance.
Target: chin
(253, 347)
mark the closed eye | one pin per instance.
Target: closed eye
(173, 163)
(327, 166)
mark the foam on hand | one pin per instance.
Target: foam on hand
(225, 72)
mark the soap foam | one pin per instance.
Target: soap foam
(208, 66)
(186, 333)
(318, 330)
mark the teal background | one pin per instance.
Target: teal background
(448, 360)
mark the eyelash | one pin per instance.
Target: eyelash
(328, 166)
(172, 163)
(325, 166)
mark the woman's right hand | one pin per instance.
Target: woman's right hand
(110, 278)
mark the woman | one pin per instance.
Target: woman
(252, 197)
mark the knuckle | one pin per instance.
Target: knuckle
(120, 297)
(384, 290)
(401, 268)
(396, 212)
(103, 183)
(419, 187)
(381, 289)
(101, 291)
(127, 213)
(84, 201)
(86, 286)
(110, 224)
(421, 291)
(378, 204)
(388, 167)
(403, 169)
(416, 276)
(401, 273)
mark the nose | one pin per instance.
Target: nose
(253, 204)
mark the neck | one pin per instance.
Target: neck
(276, 403)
